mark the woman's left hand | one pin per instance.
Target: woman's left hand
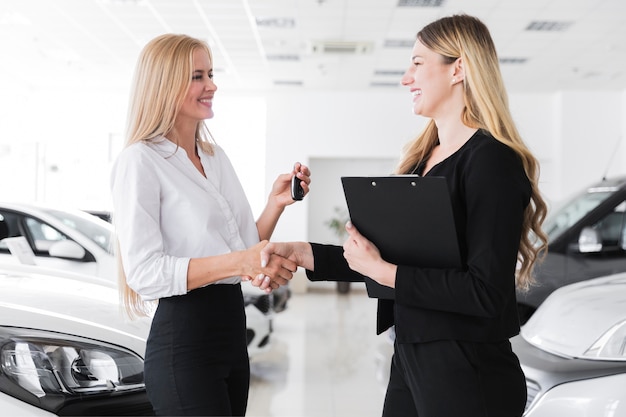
(281, 189)
(364, 257)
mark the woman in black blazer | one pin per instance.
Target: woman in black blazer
(452, 355)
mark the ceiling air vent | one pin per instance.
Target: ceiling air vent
(276, 22)
(283, 57)
(513, 60)
(420, 3)
(547, 26)
(399, 43)
(389, 73)
(384, 84)
(341, 47)
(293, 83)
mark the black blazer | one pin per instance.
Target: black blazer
(489, 191)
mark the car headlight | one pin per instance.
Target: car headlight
(611, 345)
(48, 369)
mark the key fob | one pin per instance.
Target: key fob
(297, 193)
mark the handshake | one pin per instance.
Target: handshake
(276, 262)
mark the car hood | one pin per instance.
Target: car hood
(36, 298)
(574, 317)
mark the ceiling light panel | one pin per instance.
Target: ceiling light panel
(421, 3)
(513, 60)
(276, 22)
(398, 43)
(389, 73)
(548, 26)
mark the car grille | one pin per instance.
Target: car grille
(532, 389)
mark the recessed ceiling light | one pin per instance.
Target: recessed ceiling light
(276, 22)
(513, 60)
(548, 26)
(420, 3)
(341, 47)
(399, 43)
(384, 84)
(389, 73)
(283, 57)
(124, 2)
(294, 83)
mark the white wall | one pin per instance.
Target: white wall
(355, 125)
(573, 134)
(57, 147)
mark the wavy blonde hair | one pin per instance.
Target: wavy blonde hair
(486, 107)
(162, 78)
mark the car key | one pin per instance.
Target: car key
(297, 193)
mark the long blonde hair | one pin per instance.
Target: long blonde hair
(486, 107)
(162, 78)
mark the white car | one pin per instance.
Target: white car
(573, 351)
(78, 242)
(66, 239)
(66, 348)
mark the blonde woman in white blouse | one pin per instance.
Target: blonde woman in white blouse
(187, 235)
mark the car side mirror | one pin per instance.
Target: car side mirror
(67, 249)
(589, 241)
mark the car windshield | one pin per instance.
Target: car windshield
(100, 234)
(573, 210)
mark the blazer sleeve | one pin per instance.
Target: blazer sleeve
(330, 265)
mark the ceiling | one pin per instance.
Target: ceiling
(305, 45)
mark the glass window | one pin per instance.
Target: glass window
(10, 228)
(94, 229)
(611, 229)
(43, 235)
(575, 209)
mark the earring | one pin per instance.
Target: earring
(454, 81)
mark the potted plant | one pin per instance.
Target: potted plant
(338, 225)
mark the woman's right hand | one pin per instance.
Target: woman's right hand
(300, 253)
(268, 271)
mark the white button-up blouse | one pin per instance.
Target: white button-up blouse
(166, 212)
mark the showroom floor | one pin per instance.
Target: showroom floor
(325, 358)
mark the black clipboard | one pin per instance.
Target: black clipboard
(409, 218)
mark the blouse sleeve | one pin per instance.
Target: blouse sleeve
(495, 192)
(136, 194)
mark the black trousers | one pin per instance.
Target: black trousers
(451, 378)
(196, 355)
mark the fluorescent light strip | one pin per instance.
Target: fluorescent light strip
(218, 42)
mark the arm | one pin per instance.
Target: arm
(209, 269)
(300, 253)
(279, 198)
(144, 196)
(322, 262)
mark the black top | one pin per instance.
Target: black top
(489, 191)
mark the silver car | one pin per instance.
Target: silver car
(573, 351)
